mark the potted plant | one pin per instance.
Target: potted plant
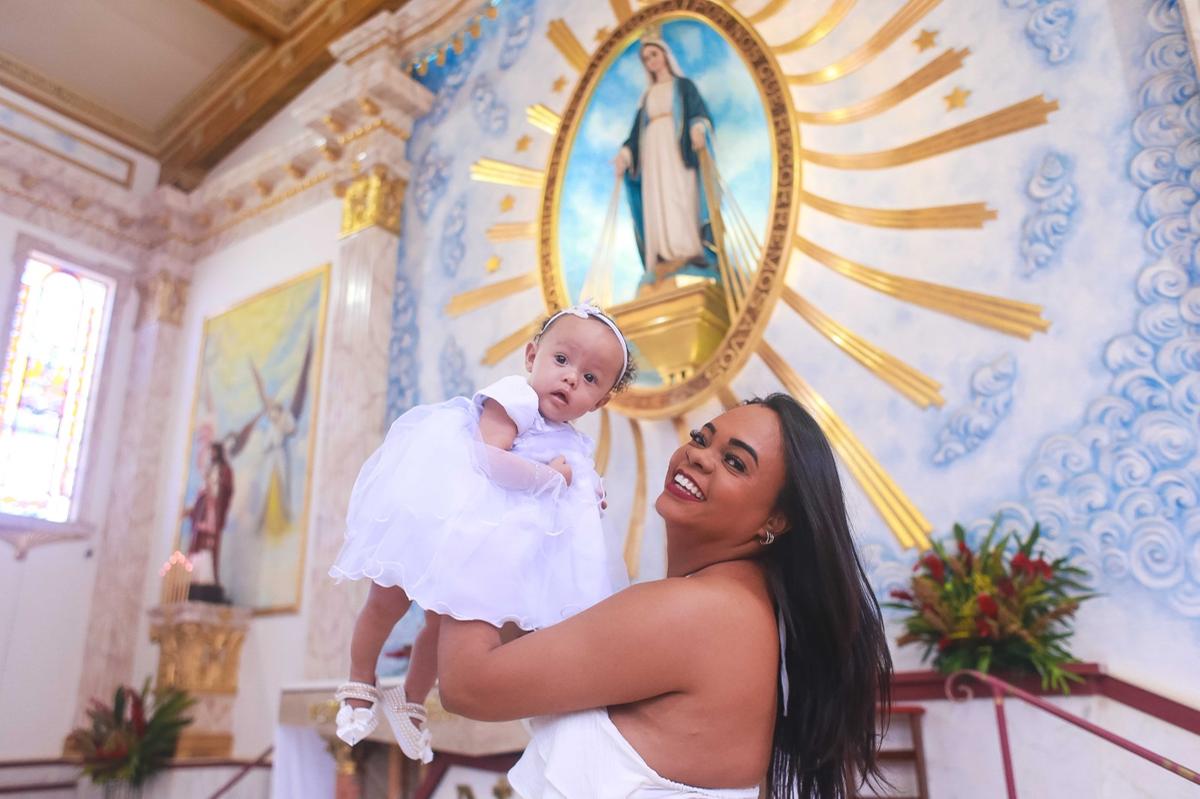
(131, 739)
(989, 609)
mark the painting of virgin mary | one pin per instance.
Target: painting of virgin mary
(660, 163)
(675, 91)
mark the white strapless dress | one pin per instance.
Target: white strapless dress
(584, 756)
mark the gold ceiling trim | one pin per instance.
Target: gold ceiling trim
(510, 343)
(489, 170)
(912, 13)
(543, 118)
(915, 385)
(945, 64)
(637, 514)
(470, 300)
(1017, 117)
(512, 231)
(567, 43)
(822, 28)
(32, 84)
(966, 215)
(603, 443)
(1007, 316)
(908, 524)
(766, 12)
(224, 79)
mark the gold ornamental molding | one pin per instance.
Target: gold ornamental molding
(200, 646)
(373, 199)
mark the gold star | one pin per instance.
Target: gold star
(602, 34)
(926, 40)
(523, 144)
(507, 203)
(560, 83)
(492, 264)
(957, 98)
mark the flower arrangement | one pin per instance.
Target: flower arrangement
(983, 609)
(134, 737)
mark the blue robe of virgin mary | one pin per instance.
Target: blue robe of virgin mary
(689, 108)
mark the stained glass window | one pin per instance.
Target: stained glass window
(54, 345)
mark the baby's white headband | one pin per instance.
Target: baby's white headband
(588, 309)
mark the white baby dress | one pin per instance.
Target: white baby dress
(475, 532)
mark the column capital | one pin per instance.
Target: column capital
(373, 198)
(163, 297)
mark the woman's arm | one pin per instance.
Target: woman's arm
(643, 642)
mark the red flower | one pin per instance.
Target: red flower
(968, 557)
(982, 629)
(903, 596)
(937, 569)
(943, 643)
(137, 715)
(987, 605)
(1006, 587)
(1042, 567)
(1022, 563)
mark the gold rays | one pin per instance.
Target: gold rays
(828, 21)
(1019, 116)
(622, 10)
(966, 215)
(507, 345)
(907, 523)
(637, 516)
(767, 11)
(918, 387)
(1008, 316)
(511, 231)
(542, 118)
(567, 43)
(489, 170)
(893, 29)
(485, 295)
(681, 429)
(603, 443)
(945, 64)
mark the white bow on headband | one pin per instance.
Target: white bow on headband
(588, 309)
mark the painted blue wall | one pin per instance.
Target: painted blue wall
(1090, 429)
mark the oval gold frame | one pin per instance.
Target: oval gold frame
(746, 331)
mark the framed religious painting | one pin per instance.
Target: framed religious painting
(250, 448)
(678, 137)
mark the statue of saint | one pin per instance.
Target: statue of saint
(210, 510)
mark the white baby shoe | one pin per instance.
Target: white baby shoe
(408, 722)
(356, 723)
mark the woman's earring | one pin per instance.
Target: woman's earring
(767, 538)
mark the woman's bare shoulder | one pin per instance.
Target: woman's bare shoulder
(729, 596)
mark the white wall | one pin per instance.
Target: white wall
(273, 653)
(45, 598)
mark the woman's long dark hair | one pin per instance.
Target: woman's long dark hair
(838, 665)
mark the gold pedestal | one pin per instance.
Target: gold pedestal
(200, 647)
(675, 327)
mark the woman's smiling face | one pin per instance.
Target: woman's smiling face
(726, 481)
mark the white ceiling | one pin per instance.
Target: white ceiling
(139, 59)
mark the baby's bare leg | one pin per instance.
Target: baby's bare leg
(422, 665)
(379, 614)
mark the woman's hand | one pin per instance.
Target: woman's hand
(623, 161)
(560, 465)
(699, 136)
